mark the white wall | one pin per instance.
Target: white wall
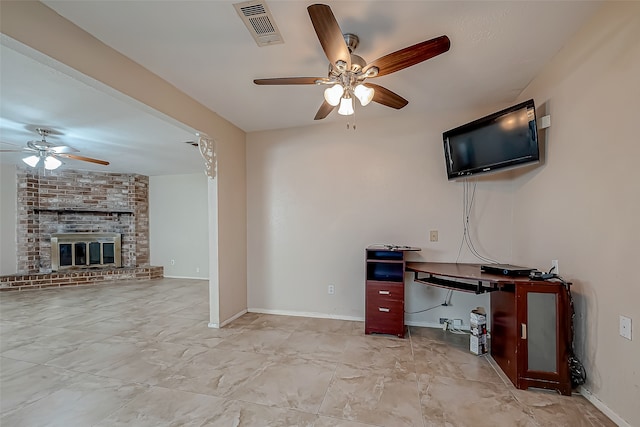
(8, 215)
(318, 195)
(178, 224)
(583, 207)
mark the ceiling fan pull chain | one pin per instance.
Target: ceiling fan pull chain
(355, 107)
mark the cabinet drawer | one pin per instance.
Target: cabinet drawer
(385, 316)
(385, 291)
(386, 309)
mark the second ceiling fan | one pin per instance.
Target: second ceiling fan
(348, 72)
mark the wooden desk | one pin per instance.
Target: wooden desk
(530, 321)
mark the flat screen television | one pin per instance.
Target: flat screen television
(501, 140)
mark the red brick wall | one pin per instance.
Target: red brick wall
(64, 201)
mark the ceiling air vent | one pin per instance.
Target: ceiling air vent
(257, 17)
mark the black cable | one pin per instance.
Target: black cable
(576, 368)
(422, 311)
(444, 304)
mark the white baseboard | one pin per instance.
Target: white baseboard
(335, 316)
(232, 318)
(603, 408)
(305, 314)
(213, 326)
(185, 277)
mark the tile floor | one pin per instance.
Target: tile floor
(141, 354)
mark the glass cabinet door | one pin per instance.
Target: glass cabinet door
(542, 335)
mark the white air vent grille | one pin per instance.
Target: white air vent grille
(259, 21)
(252, 9)
(262, 25)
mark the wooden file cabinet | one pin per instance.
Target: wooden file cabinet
(384, 290)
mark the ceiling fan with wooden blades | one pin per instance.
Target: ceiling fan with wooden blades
(348, 72)
(46, 154)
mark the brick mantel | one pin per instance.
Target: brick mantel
(64, 201)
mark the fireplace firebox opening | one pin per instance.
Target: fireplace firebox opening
(85, 250)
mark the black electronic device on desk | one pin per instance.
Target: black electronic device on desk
(506, 269)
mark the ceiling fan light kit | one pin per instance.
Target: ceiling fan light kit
(346, 106)
(364, 94)
(32, 161)
(333, 94)
(348, 72)
(50, 162)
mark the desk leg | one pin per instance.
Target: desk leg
(504, 332)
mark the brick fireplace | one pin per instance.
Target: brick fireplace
(67, 201)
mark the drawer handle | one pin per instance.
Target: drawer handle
(384, 292)
(383, 309)
(523, 329)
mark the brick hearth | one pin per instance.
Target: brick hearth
(23, 282)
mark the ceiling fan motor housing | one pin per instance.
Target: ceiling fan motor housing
(357, 63)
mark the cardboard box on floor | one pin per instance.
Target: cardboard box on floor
(478, 339)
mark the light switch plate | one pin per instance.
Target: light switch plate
(625, 327)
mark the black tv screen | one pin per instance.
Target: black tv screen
(501, 140)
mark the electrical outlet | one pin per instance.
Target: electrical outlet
(625, 327)
(433, 236)
(173, 262)
(197, 269)
(554, 266)
(331, 290)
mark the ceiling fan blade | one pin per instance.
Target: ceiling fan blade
(288, 81)
(61, 149)
(329, 34)
(384, 96)
(13, 145)
(85, 159)
(409, 56)
(25, 150)
(324, 111)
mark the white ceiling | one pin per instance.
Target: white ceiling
(204, 49)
